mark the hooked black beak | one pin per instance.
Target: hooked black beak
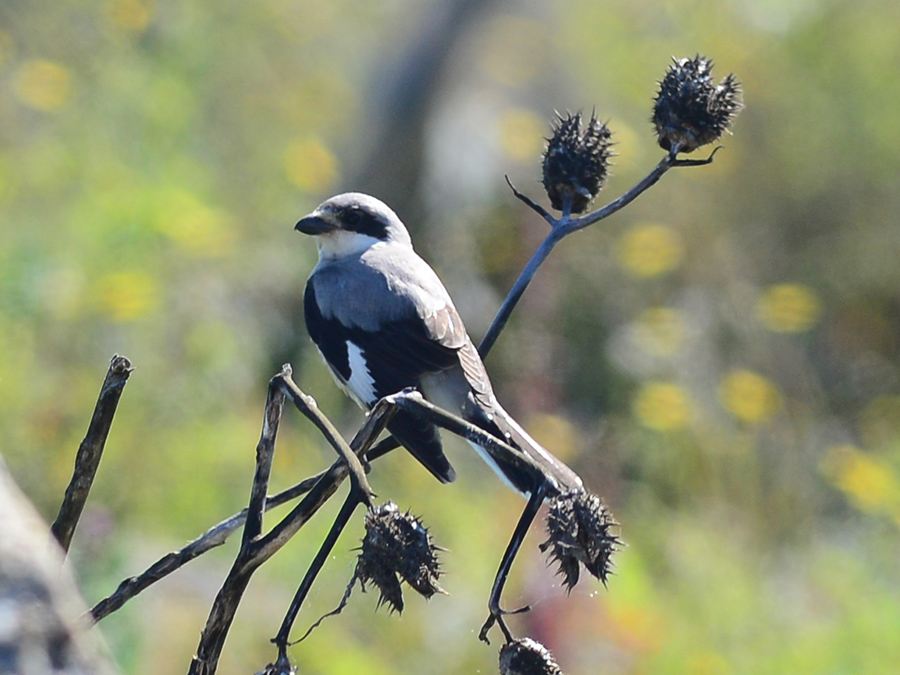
(313, 225)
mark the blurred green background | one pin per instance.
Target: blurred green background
(720, 361)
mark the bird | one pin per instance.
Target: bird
(383, 322)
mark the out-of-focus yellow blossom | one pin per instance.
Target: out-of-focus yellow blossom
(310, 165)
(127, 296)
(636, 629)
(870, 484)
(520, 133)
(43, 85)
(788, 308)
(198, 229)
(708, 663)
(660, 330)
(748, 396)
(556, 433)
(627, 141)
(131, 15)
(663, 406)
(650, 250)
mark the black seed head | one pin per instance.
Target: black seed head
(527, 657)
(580, 531)
(576, 161)
(690, 109)
(281, 667)
(397, 547)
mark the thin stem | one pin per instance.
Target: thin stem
(509, 556)
(87, 460)
(218, 534)
(353, 500)
(512, 299)
(265, 453)
(562, 227)
(172, 562)
(307, 405)
(255, 551)
(502, 453)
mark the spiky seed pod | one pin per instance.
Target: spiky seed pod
(576, 161)
(527, 657)
(580, 531)
(397, 547)
(690, 109)
(281, 667)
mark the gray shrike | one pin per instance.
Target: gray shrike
(383, 322)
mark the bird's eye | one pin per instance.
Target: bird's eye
(352, 218)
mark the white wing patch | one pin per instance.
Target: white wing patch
(360, 383)
(486, 456)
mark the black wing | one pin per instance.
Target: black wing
(395, 357)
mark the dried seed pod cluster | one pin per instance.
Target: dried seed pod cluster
(397, 547)
(527, 657)
(580, 531)
(690, 109)
(576, 162)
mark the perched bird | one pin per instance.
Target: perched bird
(383, 322)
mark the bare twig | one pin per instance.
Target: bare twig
(496, 612)
(265, 453)
(566, 225)
(340, 522)
(327, 480)
(212, 538)
(218, 534)
(503, 453)
(307, 405)
(221, 615)
(90, 451)
(255, 550)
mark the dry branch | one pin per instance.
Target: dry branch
(90, 451)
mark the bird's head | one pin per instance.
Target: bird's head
(350, 223)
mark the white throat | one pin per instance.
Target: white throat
(339, 244)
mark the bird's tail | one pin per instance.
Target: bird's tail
(422, 440)
(503, 426)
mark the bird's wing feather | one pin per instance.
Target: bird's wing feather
(395, 357)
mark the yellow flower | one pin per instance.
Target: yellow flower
(310, 165)
(520, 134)
(663, 406)
(748, 396)
(200, 230)
(650, 250)
(127, 296)
(130, 15)
(556, 433)
(788, 308)
(43, 85)
(868, 483)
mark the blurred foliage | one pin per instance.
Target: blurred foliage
(720, 361)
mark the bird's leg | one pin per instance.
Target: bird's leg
(496, 612)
